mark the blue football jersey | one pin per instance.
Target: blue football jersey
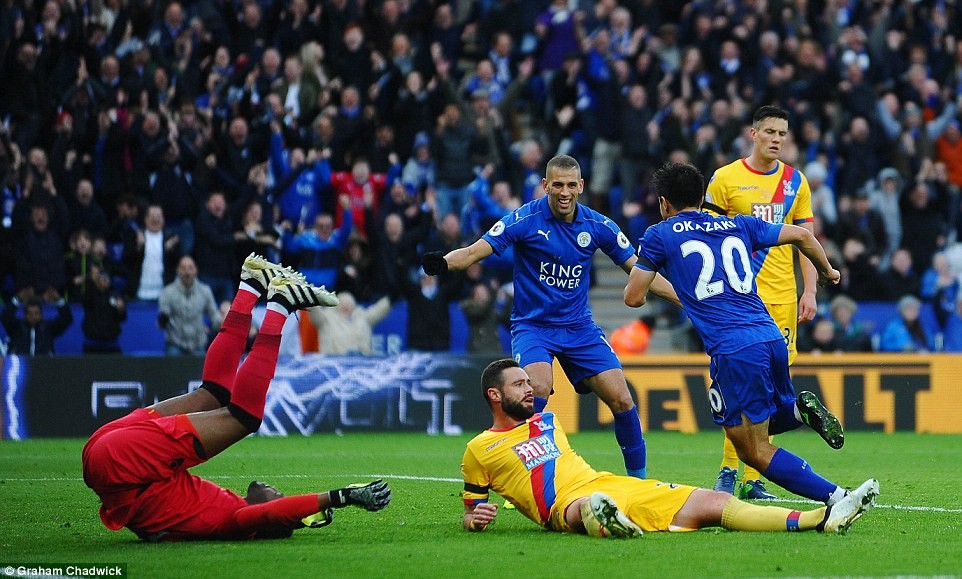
(708, 261)
(552, 260)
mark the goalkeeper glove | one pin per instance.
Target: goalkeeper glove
(434, 263)
(373, 496)
(318, 520)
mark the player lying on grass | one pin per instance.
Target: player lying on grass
(138, 464)
(525, 457)
(708, 260)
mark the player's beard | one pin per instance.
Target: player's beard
(517, 410)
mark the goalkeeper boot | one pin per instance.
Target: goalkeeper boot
(294, 293)
(820, 419)
(601, 518)
(726, 480)
(258, 272)
(840, 516)
(754, 490)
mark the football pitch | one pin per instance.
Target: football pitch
(50, 518)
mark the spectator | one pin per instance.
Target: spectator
(861, 150)
(637, 146)
(941, 287)
(298, 90)
(884, 195)
(85, 212)
(429, 321)
(823, 197)
(317, 251)
(172, 188)
(455, 143)
(357, 275)
(40, 231)
(215, 248)
(413, 110)
(359, 193)
(850, 336)
(485, 310)
(254, 234)
(300, 201)
(104, 313)
(820, 338)
(150, 256)
(32, 335)
(560, 32)
(419, 170)
(78, 263)
(900, 278)
(909, 332)
(395, 252)
(347, 328)
(859, 271)
(923, 221)
(181, 312)
(860, 221)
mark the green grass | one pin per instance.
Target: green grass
(49, 517)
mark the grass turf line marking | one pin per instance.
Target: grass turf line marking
(457, 480)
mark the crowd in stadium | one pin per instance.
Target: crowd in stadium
(348, 137)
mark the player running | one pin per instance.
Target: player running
(525, 457)
(138, 464)
(708, 259)
(554, 240)
(763, 186)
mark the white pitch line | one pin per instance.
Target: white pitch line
(457, 480)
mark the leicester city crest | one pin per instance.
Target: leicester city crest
(584, 239)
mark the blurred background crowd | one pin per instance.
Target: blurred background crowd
(147, 146)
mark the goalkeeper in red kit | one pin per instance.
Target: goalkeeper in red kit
(138, 465)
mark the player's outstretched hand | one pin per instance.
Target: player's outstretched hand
(373, 496)
(831, 278)
(434, 263)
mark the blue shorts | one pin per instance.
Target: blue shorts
(582, 350)
(753, 381)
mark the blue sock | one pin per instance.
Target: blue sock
(539, 404)
(794, 474)
(632, 442)
(783, 419)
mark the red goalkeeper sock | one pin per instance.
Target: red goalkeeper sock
(224, 354)
(252, 380)
(282, 512)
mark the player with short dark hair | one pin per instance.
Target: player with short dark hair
(761, 185)
(708, 260)
(138, 464)
(554, 240)
(526, 458)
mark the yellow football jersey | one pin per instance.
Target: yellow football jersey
(780, 196)
(532, 465)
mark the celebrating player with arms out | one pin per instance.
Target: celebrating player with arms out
(554, 239)
(708, 260)
(525, 457)
(763, 186)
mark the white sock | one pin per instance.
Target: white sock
(278, 307)
(837, 495)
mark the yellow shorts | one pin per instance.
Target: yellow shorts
(651, 504)
(786, 318)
